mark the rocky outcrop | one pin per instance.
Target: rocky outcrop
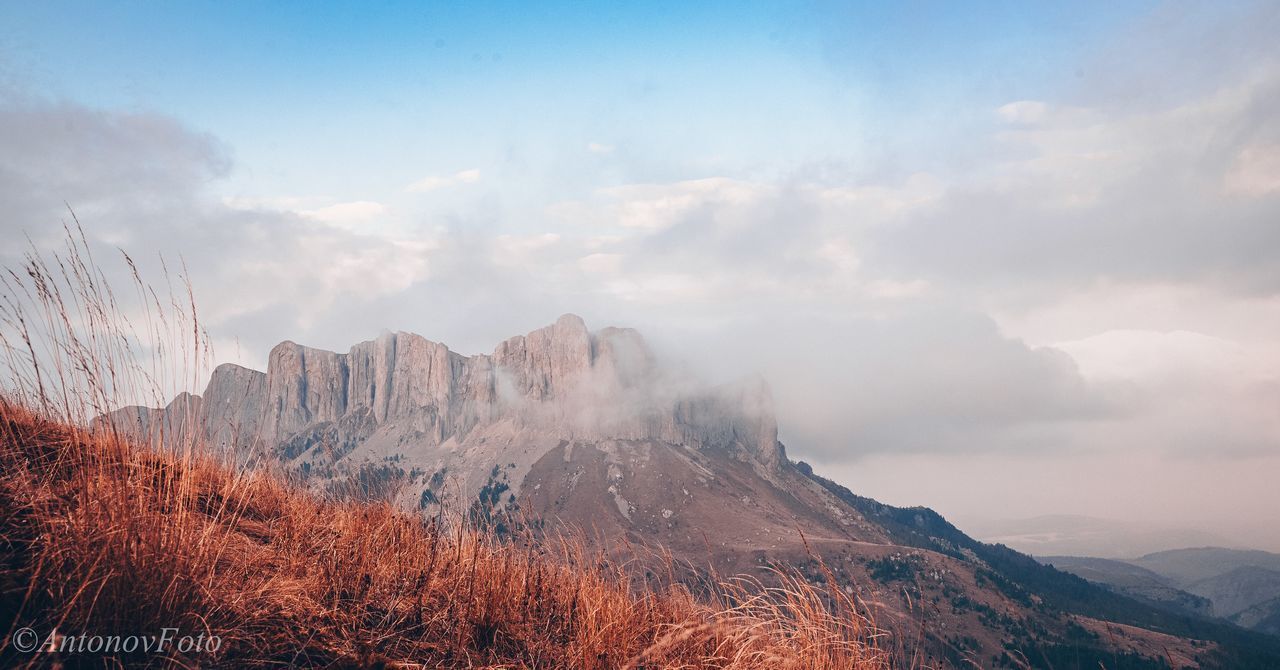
(233, 413)
(562, 380)
(548, 363)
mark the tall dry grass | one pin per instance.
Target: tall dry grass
(99, 536)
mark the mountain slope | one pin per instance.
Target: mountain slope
(1239, 589)
(583, 429)
(1027, 580)
(1134, 581)
(1242, 585)
(1263, 617)
(1230, 584)
(1186, 566)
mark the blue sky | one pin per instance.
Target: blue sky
(981, 251)
(354, 100)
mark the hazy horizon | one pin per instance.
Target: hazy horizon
(1005, 263)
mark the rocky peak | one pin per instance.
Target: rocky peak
(304, 386)
(622, 355)
(562, 380)
(547, 362)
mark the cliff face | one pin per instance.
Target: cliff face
(402, 390)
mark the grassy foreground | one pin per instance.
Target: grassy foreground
(100, 538)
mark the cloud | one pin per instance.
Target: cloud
(888, 288)
(523, 250)
(601, 264)
(358, 215)
(598, 148)
(1136, 195)
(140, 182)
(347, 213)
(727, 237)
(1194, 394)
(786, 276)
(1255, 172)
(434, 182)
(282, 203)
(106, 165)
(1024, 112)
(660, 206)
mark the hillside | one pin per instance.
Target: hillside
(1238, 589)
(1187, 566)
(98, 538)
(1263, 617)
(1241, 586)
(1132, 580)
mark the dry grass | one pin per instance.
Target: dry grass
(99, 536)
(102, 538)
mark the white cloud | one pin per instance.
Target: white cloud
(283, 203)
(524, 250)
(1159, 357)
(1105, 305)
(1125, 193)
(1023, 111)
(598, 148)
(1189, 394)
(1255, 172)
(840, 253)
(347, 214)
(658, 206)
(435, 182)
(264, 269)
(600, 264)
(893, 290)
(355, 215)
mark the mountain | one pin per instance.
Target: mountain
(1077, 535)
(1187, 566)
(1263, 617)
(1241, 586)
(404, 398)
(1134, 581)
(1239, 589)
(570, 428)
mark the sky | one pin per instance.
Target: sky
(1001, 259)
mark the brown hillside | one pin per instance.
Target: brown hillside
(100, 538)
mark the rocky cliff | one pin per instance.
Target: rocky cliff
(402, 395)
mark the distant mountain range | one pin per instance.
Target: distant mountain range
(1241, 586)
(1076, 535)
(570, 427)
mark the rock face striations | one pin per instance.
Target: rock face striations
(402, 398)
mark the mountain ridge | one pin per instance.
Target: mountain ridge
(560, 380)
(1237, 585)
